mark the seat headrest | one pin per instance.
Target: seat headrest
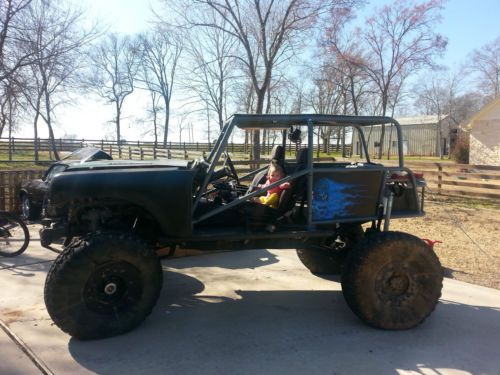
(302, 156)
(278, 153)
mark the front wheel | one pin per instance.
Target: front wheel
(392, 280)
(103, 285)
(14, 235)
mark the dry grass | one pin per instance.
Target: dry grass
(470, 249)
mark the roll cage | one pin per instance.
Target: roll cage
(284, 123)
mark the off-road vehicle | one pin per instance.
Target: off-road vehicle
(115, 215)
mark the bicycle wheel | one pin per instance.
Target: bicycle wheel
(14, 235)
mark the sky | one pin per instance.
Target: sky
(468, 24)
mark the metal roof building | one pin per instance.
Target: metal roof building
(420, 137)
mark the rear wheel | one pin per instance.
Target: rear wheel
(103, 285)
(392, 280)
(328, 256)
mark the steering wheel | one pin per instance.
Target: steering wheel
(229, 167)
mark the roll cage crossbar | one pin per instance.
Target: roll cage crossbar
(284, 122)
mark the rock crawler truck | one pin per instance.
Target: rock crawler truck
(113, 216)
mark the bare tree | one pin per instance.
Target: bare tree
(55, 44)
(268, 32)
(12, 33)
(486, 62)
(160, 53)
(10, 95)
(154, 112)
(342, 56)
(114, 72)
(213, 66)
(436, 96)
(398, 41)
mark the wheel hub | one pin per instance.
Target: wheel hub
(113, 287)
(110, 289)
(394, 284)
(398, 283)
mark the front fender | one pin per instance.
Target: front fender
(164, 193)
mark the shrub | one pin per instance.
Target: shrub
(461, 149)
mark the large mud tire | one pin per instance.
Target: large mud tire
(327, 258)
(103, 285)
(392, 280)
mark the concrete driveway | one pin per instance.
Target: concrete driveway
(249, 312)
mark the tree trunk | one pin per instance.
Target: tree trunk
(155, 126)
(208, 124)
(245, 145)
(49, 125)
(438, 138)
(35, 129)
(166, 123)
(343, 142)
(381, 142)
(118, 135)
(389, 145)
(382, 129)
(256, 133)
(2, 126)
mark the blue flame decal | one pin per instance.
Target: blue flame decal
(332, 199)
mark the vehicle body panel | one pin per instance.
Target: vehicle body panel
(159, 191)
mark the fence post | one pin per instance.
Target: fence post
(440, 177)
(130, 153)
(10, 192)
(2, 191)
(11, 148)
(154, 153)
(142, 153)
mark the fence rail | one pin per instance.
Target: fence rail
(9, 148)
(464, 180)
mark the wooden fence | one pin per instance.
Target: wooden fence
(463, 180)
(10, 182)
(9, 148)
(450, 179)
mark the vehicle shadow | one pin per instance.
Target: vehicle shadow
(240, 259)
(288, 331)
